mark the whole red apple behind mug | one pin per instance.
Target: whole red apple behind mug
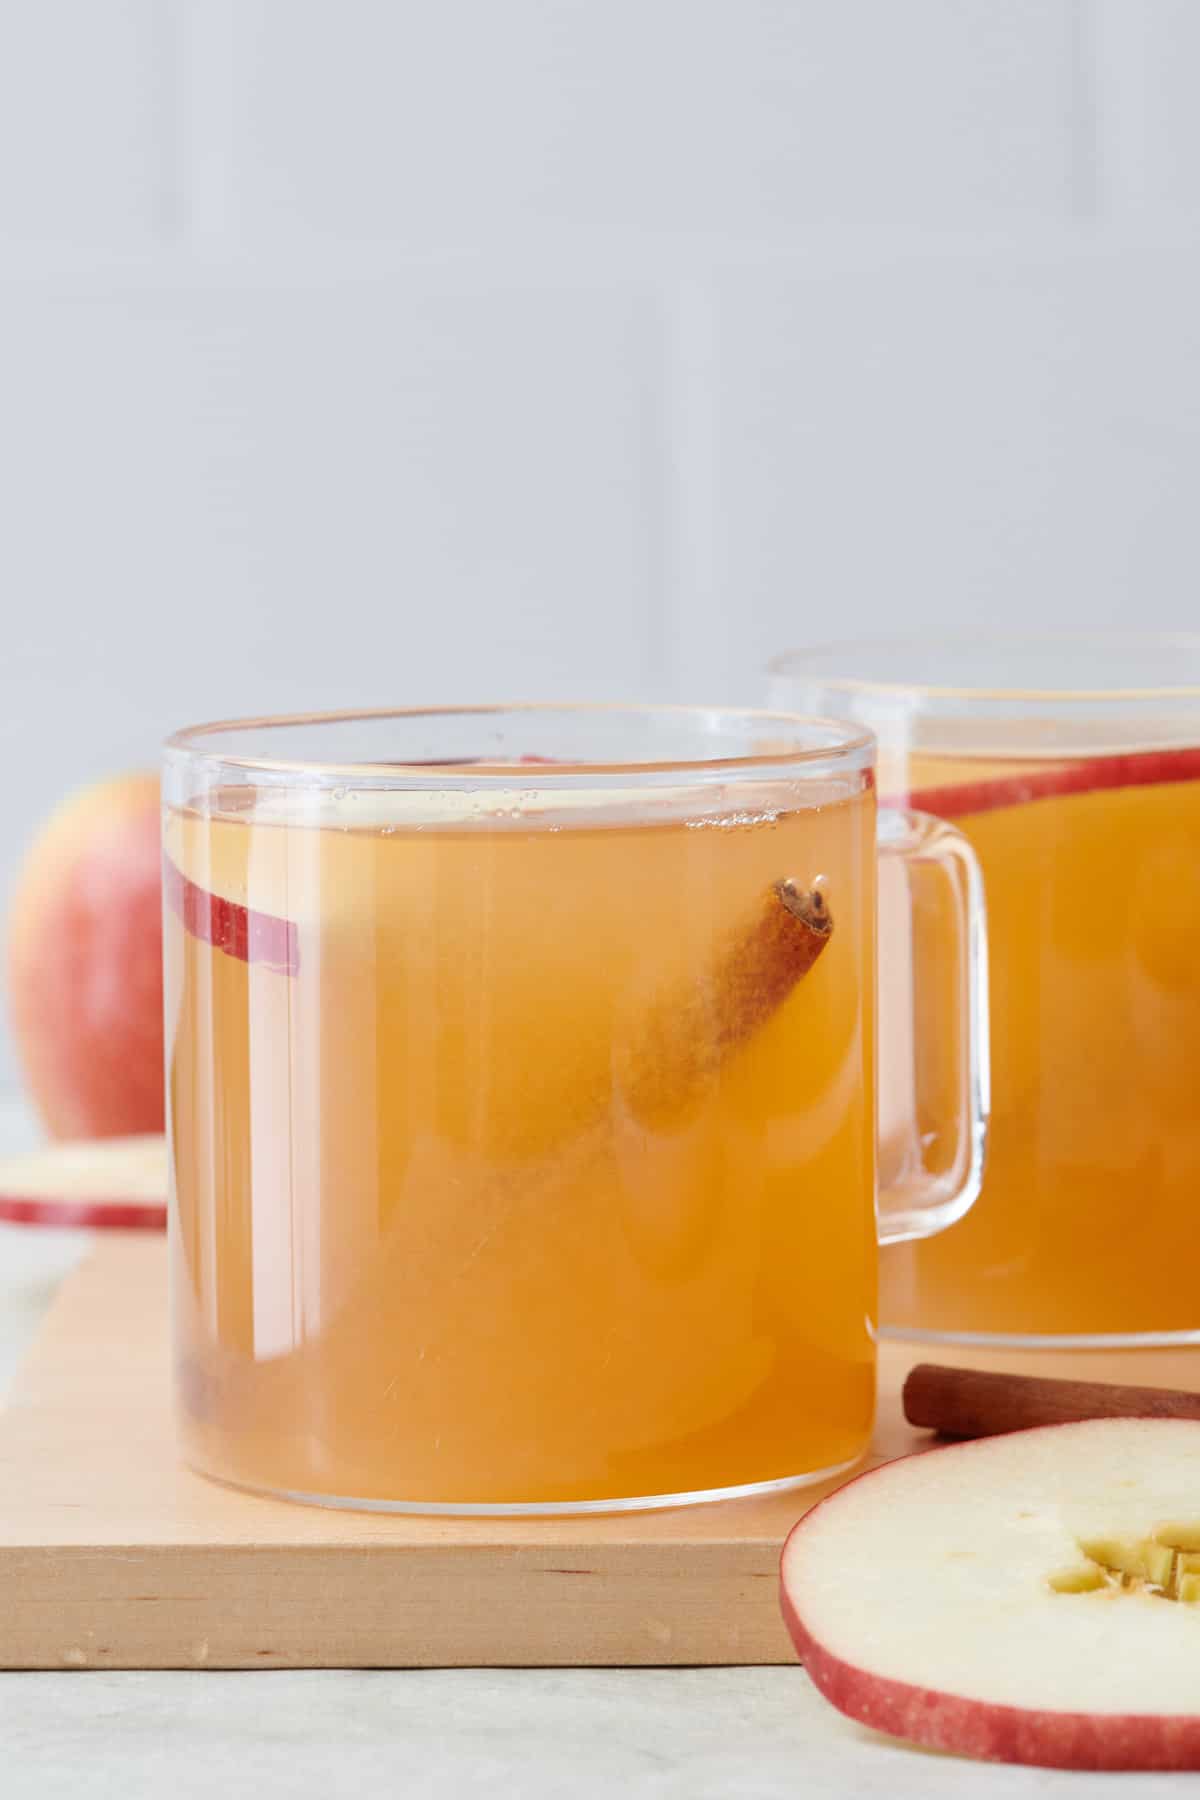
(85, 963)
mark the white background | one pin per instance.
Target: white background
(385, 351)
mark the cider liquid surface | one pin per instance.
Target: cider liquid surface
(1091, 1194)
(424, 1252)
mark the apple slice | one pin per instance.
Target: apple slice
(1046, 780)
(1028, 1598)
(115, 1184)
(228, 925)
(253, 872)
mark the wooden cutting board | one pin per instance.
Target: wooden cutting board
(112, 1556)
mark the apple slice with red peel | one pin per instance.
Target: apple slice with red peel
(1048, 780)
(114, 1184)
(241, 931)
(1028, 1598)
(241, 903)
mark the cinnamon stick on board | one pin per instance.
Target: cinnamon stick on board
(971, 1403)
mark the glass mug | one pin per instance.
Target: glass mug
(1073, 766)
(521, 1102)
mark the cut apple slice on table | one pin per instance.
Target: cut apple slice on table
(115, 1184)
(1031, 1598)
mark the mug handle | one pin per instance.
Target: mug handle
(933, 1064)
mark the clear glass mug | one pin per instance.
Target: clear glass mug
(1073, 766)
(521, 1101)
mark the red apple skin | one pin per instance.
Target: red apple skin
(81, 1215)
(85, 963)
(979, 1728)
(1140, 768)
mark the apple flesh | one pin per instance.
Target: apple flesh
(85, 963)
(1046, 781)
(1030, 1598)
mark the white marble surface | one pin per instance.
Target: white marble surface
(692, 1734)
(679, 1734)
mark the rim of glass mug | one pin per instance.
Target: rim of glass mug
(828, 666)
(811, 745)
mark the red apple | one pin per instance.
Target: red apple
(1032, 1598)
(85, 963)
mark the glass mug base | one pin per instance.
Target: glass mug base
(531, 1509)
(1017, 1340)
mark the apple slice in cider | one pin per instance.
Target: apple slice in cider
(234, 888)
(1032, 1598)
(1015, 784)
(228, 925)
(239, 888)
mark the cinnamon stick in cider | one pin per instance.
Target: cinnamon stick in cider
(971, 1403)
(686, 1037)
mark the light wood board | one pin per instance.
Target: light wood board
(113, 1556)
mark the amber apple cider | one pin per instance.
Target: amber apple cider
(442, 1231)
(1089, 1201)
